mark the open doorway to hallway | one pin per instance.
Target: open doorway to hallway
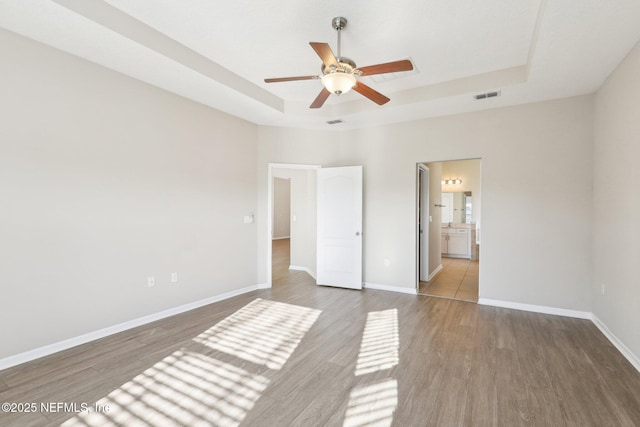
(448, 229)
(292, 221)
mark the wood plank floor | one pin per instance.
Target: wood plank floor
(302, 355)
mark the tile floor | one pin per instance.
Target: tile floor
(458, 279)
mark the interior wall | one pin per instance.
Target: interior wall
(281, 208)
(106, 181)
(524, 150)
(616, 202)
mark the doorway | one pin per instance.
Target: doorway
(325, 223)
(291, 229)
(448, 200)
(281, 227)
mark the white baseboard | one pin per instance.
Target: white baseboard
(536, 308)
(281, 238)
(399, 289)
(628, 354)
(305, 269)
(434, 272)
(46, 350)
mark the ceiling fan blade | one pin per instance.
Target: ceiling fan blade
(373, 95)
(389, 67)
(290, 79)
(325, 53)
(322, 96)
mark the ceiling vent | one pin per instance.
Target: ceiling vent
(334, 122)
(487, 95)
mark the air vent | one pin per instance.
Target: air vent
(487, 95)
(334, 122)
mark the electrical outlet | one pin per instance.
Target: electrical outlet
(174, 277)
(387, 262)
(151, 281)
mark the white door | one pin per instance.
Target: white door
(339, 254)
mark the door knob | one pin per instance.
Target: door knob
(357, 233)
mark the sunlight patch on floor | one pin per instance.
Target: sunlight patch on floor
(184, 388)
(263, 332)
(379, 349)
(372, 405)
(193, 388)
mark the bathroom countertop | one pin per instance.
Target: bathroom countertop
(458, 225)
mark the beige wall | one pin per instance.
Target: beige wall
(104, 182)
(281, 208)
(529, 256)
(616, 202)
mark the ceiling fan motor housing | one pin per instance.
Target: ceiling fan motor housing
(345, 65)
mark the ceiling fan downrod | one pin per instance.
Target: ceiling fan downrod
(338, 23)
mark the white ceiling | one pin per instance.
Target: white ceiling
(218, 53)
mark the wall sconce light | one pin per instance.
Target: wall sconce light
(451, 181)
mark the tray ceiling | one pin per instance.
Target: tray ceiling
(218, 53)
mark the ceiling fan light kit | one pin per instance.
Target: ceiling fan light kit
(339, 74)
(338, 82)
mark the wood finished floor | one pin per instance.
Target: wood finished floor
(458, 280)
(370, 356)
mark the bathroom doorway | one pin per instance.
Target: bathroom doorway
(448, 225)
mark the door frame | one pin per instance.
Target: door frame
(271, 167)
(420, 214)
(417, 231)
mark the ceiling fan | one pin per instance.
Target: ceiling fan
(339, 73)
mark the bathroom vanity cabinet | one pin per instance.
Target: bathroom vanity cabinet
(456, 242)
